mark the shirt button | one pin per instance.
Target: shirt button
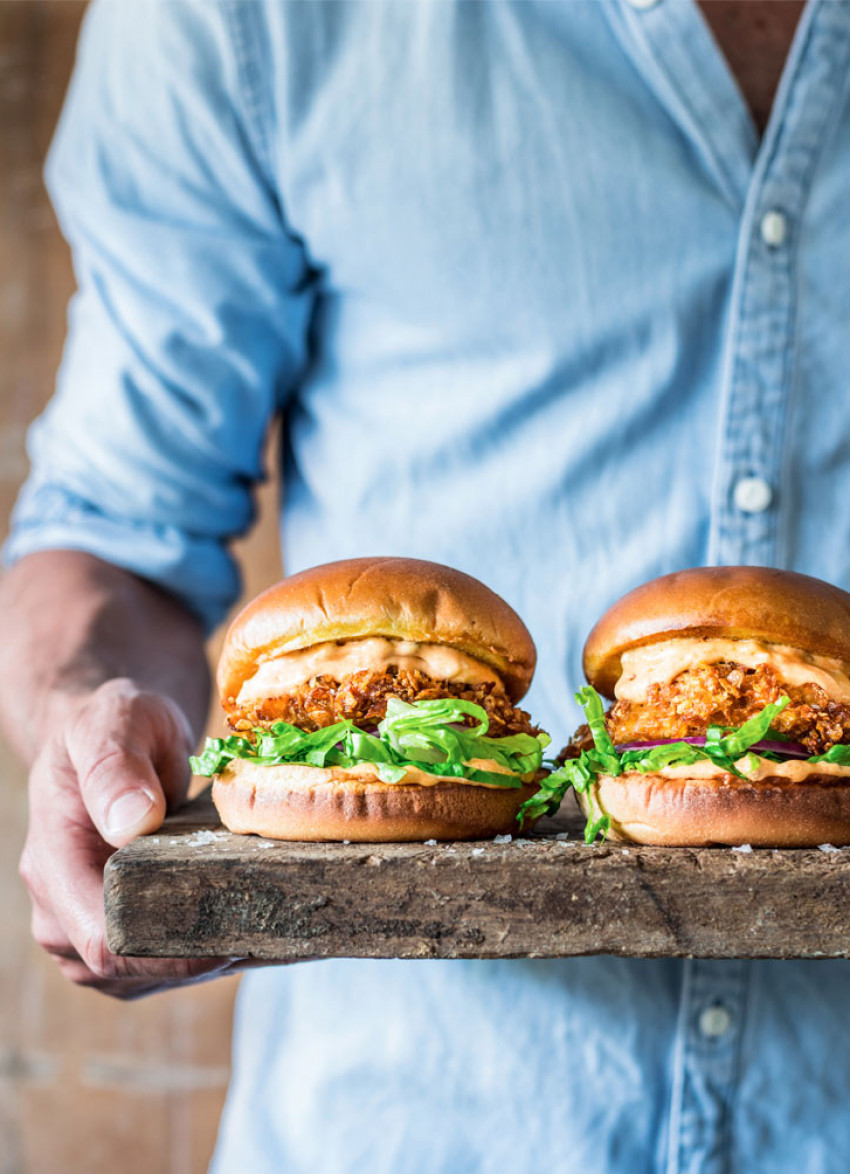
(714, 1022)
(643, 3)
(774, 229)
(752, 495)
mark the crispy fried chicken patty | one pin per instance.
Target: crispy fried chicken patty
(726, 694)
(361, 697)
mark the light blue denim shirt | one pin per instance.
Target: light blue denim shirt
(534, 301)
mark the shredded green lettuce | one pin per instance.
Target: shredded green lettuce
(430, 735)
(839, 754)
(724, 747)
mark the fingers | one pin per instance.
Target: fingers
(62, 865)
(72, 931)
(129, 752)
(99, 782)
(127, 978)
(48, 932)
(131, 988)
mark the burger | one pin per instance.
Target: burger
(375, 699)
(731, 714)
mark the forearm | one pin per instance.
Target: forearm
(69, 622)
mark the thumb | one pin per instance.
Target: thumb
(120, 790)
(128, 751)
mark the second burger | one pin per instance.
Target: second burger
(731, 714)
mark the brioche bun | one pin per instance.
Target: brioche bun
(295, 802)
(774, 812)
(400, 598)
(739, 603)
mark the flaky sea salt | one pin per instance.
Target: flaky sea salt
(477, 852)
(204, 836)
(430, 843)
(828, 848)
(346, 841)
(743, 848)
(502, 839)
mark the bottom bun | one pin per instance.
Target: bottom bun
(309, 803)
(773, 812)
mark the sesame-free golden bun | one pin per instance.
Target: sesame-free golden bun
(773, 812)
(297, 802)
(400, 598)
(738, 603)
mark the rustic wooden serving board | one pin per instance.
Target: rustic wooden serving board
(194, 889)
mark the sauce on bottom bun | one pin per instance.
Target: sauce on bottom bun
(731, 714)
(375, 699)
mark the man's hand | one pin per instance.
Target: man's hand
(105, 773)
(103, 678)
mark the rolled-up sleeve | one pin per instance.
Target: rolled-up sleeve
(190, 323)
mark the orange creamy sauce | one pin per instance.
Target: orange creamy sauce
(794, 770)
(338, 659)
(661, 663)
(303, 776)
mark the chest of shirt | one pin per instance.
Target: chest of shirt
(456, 165)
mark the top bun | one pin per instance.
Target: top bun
(401, 598)
(738, 603)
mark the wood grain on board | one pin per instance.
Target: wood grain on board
(195, 889)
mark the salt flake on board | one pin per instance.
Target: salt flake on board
(205, 836)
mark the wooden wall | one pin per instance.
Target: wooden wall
(87, 1085)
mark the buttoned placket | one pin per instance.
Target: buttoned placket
(768, 184)
(705, 1065)
(759, 362)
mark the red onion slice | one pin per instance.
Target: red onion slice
(623, 746)
(787, 749)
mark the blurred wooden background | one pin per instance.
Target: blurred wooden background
(87, 1085)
